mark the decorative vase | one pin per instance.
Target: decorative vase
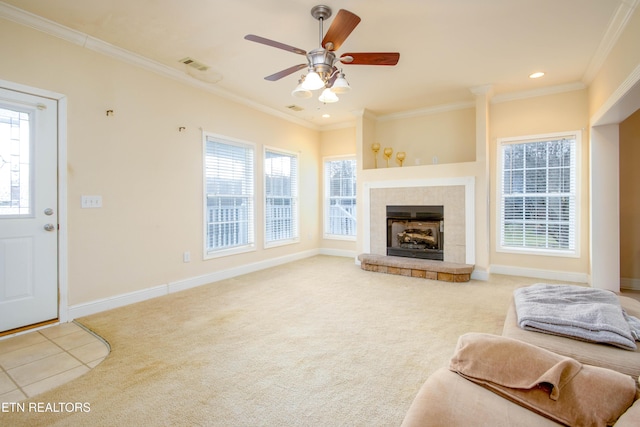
(401, 155)
(388, 151)
(375, 147)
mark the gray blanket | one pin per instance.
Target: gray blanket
(587, 314)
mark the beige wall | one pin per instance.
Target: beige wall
(623, 61)
(448, 136)
(533, 116)
(630, 198)
(148, 174)
(613, 97)
(338, 142)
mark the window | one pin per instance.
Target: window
(538, 195)
(15, 163)
(340, 198)
(229, 196)
(281, 197)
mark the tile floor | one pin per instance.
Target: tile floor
(41, 360)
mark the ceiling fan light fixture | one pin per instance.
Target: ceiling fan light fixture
(312, 81)
(321, 62)
(341, 85)
(300, 91)
(328, 97)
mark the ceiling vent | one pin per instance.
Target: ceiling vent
(195, 64)
(200, 71)
(293, 107)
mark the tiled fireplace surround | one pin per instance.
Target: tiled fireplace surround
(453, 194)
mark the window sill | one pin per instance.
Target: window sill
(539, 252)
(228, 252)
(339, 237)
(278, 243)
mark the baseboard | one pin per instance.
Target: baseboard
(97, 306)
(630, 284)
(193, 282)
(86, 309)
(563, 276)
(337, 252)
(478, 274)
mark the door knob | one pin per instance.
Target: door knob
(49, 227)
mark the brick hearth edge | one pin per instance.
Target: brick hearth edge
(415, 267)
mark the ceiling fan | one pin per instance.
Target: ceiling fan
(321, 62)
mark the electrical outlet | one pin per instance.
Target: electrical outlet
(91, 202)
(186, 256)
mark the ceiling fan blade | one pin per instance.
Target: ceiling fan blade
(284, 73)
(373, 58)
(342, 25)
(272, 43)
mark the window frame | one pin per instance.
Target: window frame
(251, 245)
(573, 222)
(295, 199)
(327, 197)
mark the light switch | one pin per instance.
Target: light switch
(89, 202)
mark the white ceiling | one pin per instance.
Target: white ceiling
(446, 47)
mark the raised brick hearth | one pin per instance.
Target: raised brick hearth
(414, 267)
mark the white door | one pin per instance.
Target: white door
(28, 210)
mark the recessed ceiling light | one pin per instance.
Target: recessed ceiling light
(326, 116)
(536, 75)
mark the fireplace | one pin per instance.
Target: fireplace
(416, 232)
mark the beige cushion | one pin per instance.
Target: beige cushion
(606, 356)
(555, 386)
(631, 418)
(447, 399)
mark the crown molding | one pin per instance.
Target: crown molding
(482, 90)
(38, 23)
(427, 111)
(622, 102)
(549, 90)
(364, 113)
(337, 126)
(616, 26)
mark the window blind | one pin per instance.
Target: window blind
(340, 197)
(229, 192)
(538, 195)
(281, 196)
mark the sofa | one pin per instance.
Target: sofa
(625, 361)
(503, 380)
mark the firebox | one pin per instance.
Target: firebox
(416, 232)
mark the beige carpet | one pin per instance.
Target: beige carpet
(318, 342)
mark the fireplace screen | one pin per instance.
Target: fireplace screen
(415, 231)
